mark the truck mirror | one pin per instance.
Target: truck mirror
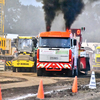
(35, 42)
(75, 42)
(71, 43)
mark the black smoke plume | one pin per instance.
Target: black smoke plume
(70, 8)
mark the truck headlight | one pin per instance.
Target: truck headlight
(41, 65)
(65, 66)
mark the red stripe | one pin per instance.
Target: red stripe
(37, 55)
(70, 55)
(51, 64)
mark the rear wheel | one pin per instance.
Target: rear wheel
(69, 73)
(46, 73)
(39, 72)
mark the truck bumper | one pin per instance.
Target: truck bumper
(54, 66)
(23, 63)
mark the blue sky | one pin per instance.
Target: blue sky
(30, 2)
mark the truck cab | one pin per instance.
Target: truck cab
(56, 53)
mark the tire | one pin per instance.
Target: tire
(69, 73)
(14, 69)
(39, 72)
(45, 73)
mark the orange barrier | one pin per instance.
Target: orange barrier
(74, 87)
(40, 94)
(0, 94)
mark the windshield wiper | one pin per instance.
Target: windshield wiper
(53, 49)
(60, 47)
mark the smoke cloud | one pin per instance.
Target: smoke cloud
(58, 24)
(70, 8)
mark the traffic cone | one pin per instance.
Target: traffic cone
(0, 94)
(92, 84)
(40, 94)
(74, 87)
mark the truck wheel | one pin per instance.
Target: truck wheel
(39, 72)
(69, 73)
(14, 69)
(46, 73)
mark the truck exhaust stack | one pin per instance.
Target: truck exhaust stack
(48, 28)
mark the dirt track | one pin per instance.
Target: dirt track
(25, 79)
(18, 84)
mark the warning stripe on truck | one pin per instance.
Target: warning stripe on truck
(8, 63)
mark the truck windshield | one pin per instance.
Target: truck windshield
(50, 42)
(97, 51)
(25, 44)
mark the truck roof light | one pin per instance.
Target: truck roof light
(83, 28)
(78, 32)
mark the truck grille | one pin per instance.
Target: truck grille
(98, 59)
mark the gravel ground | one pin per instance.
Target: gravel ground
(84, 93)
